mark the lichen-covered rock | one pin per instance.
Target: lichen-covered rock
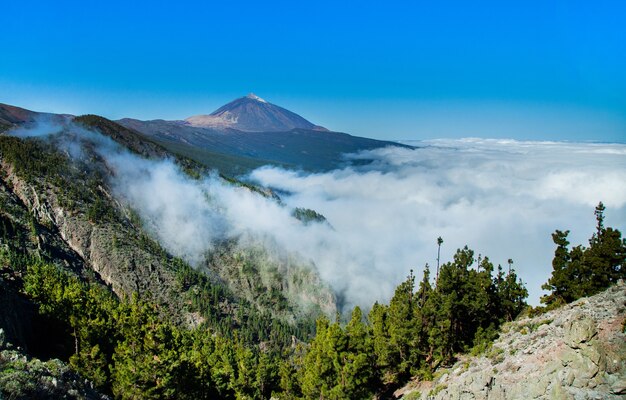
(575, 352)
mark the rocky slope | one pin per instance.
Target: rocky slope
(574, 352)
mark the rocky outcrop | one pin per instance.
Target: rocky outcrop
(575, 352)
(23, 377)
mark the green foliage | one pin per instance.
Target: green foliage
(77, 184)
(584, 271)
(414, 395)
(30, 378)
(101, 211)
(32, 158)
(422, 329)
(126, 348)
(338, 363)
(483, 339)
(131, 349)
(433, 392)
(307, 216)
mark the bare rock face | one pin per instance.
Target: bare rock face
(575, 352)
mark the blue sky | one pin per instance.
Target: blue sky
(542, 70)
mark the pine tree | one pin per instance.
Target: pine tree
(561, 272)
(585, 271)
(379, 324)
(356, 375)
(511, 294)
(318, 375)
(402, 327)
(606, 256)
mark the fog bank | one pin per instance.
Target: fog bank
(503, 198)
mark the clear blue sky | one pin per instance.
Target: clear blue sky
(398, 70)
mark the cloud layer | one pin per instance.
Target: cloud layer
(503, 198)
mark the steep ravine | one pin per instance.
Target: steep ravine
(574, 352)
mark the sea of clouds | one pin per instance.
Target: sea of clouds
(501, 198)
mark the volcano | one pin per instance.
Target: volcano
(252, 114)
(249, 132)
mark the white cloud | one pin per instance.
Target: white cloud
(503, 198)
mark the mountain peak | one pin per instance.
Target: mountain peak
(255, 97)
(252, 114)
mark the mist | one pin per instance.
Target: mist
(502, 198)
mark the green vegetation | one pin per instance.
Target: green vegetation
(307, 215)
(129, 349)
(30, 378)
(126, 348)
(584, 271)
(419, 331)
(80, 188)
(138, 346)
(227, 164)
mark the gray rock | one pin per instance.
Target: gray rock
(619, 386)
(579, 331)
(578, 352)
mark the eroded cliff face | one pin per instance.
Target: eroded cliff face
(108, 249)
(574, 352)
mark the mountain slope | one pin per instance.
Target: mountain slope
(59, 212)
(11, 115)
(74, 198)
(577, 351)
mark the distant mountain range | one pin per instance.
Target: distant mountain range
(239, 136)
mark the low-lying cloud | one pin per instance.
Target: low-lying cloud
(501, 198)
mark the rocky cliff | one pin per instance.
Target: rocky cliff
(574, 352)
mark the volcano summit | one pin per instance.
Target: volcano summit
(252, 114)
